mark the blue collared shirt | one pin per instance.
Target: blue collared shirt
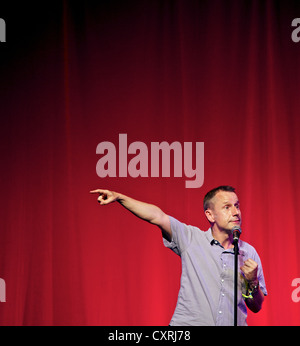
(206, 295)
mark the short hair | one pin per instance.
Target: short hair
(211, 194)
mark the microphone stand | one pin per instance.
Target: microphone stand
(236, 253)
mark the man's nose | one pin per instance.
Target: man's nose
(235, 211)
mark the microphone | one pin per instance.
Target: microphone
(236, 232)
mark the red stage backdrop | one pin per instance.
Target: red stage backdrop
(223, 74)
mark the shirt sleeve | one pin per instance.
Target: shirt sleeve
(260, 273)
(260, 276)
(181, 236)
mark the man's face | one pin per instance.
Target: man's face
(225, 211)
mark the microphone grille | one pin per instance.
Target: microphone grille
(236, 228)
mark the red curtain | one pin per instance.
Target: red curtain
(225, 73)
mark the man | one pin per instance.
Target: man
(206, 295)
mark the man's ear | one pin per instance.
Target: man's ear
(209, 215)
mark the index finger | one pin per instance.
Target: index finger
(97, 191)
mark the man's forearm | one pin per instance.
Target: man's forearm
(145, 211)
(255, 303)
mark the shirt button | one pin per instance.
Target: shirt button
(220, 312)
(223, 294)
(222, 280)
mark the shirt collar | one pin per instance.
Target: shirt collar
(213, 241)
(210, 238)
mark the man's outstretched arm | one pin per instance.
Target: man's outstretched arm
(148, 212)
